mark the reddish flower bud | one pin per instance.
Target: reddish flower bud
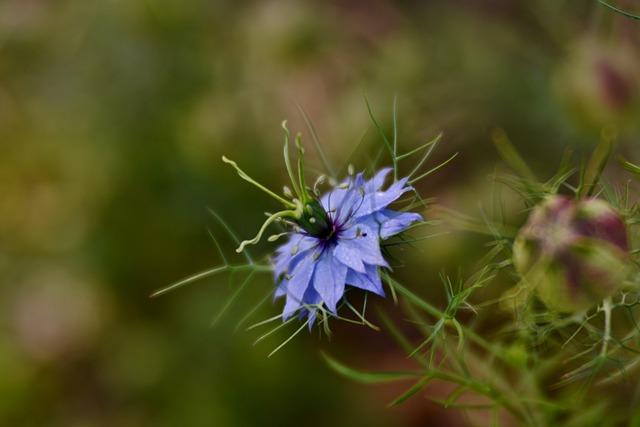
(572, 252)
(599, 83)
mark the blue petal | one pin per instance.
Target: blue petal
(344, 199)
(281, 290)
(397, 222)
(362, 245)
(333, 199)
(329, 279)
(389, 223)
(309, 314)
(350, 256)
(378, 200)
(369, 281)
(311, 297)
(296, 286)
(376, 183)
(352, 200)
(291, 252)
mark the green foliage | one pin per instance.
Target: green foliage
(113, 118)
(523, 359)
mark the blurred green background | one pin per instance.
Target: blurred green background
(114, 115)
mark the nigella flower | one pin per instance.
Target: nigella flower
(342, 247)
(333, 240)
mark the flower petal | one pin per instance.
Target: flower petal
(360, 241)
(290, 253)
(281, 290)
(369, 281)
(329, 279)
(350, 256)
(352, 200)
(392, 222)
(311, 297)
(297, 285)
(378, 200)
(376, 183)
(335, 198)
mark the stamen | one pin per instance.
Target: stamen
(275, 237)
(287, 192)
(319, 181)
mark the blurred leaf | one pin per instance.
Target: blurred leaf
(510, 155)
(413, 390)
(596, 165)
(635, 169)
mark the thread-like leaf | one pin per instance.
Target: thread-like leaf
(369, 377)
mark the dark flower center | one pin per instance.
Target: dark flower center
(316, 222)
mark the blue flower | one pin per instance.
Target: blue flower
(335, 239)
(337, 244)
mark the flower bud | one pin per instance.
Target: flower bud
(573, 253)
(599, 83)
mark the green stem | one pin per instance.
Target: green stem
(257, 268)
(618, 10)
(430, 309)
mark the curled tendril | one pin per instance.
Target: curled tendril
(300, 197)
(270, 220)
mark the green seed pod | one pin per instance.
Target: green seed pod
(572, 253)
(315, 220)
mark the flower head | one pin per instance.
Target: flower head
(574, 252)
(341, 244)
(334, 239)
